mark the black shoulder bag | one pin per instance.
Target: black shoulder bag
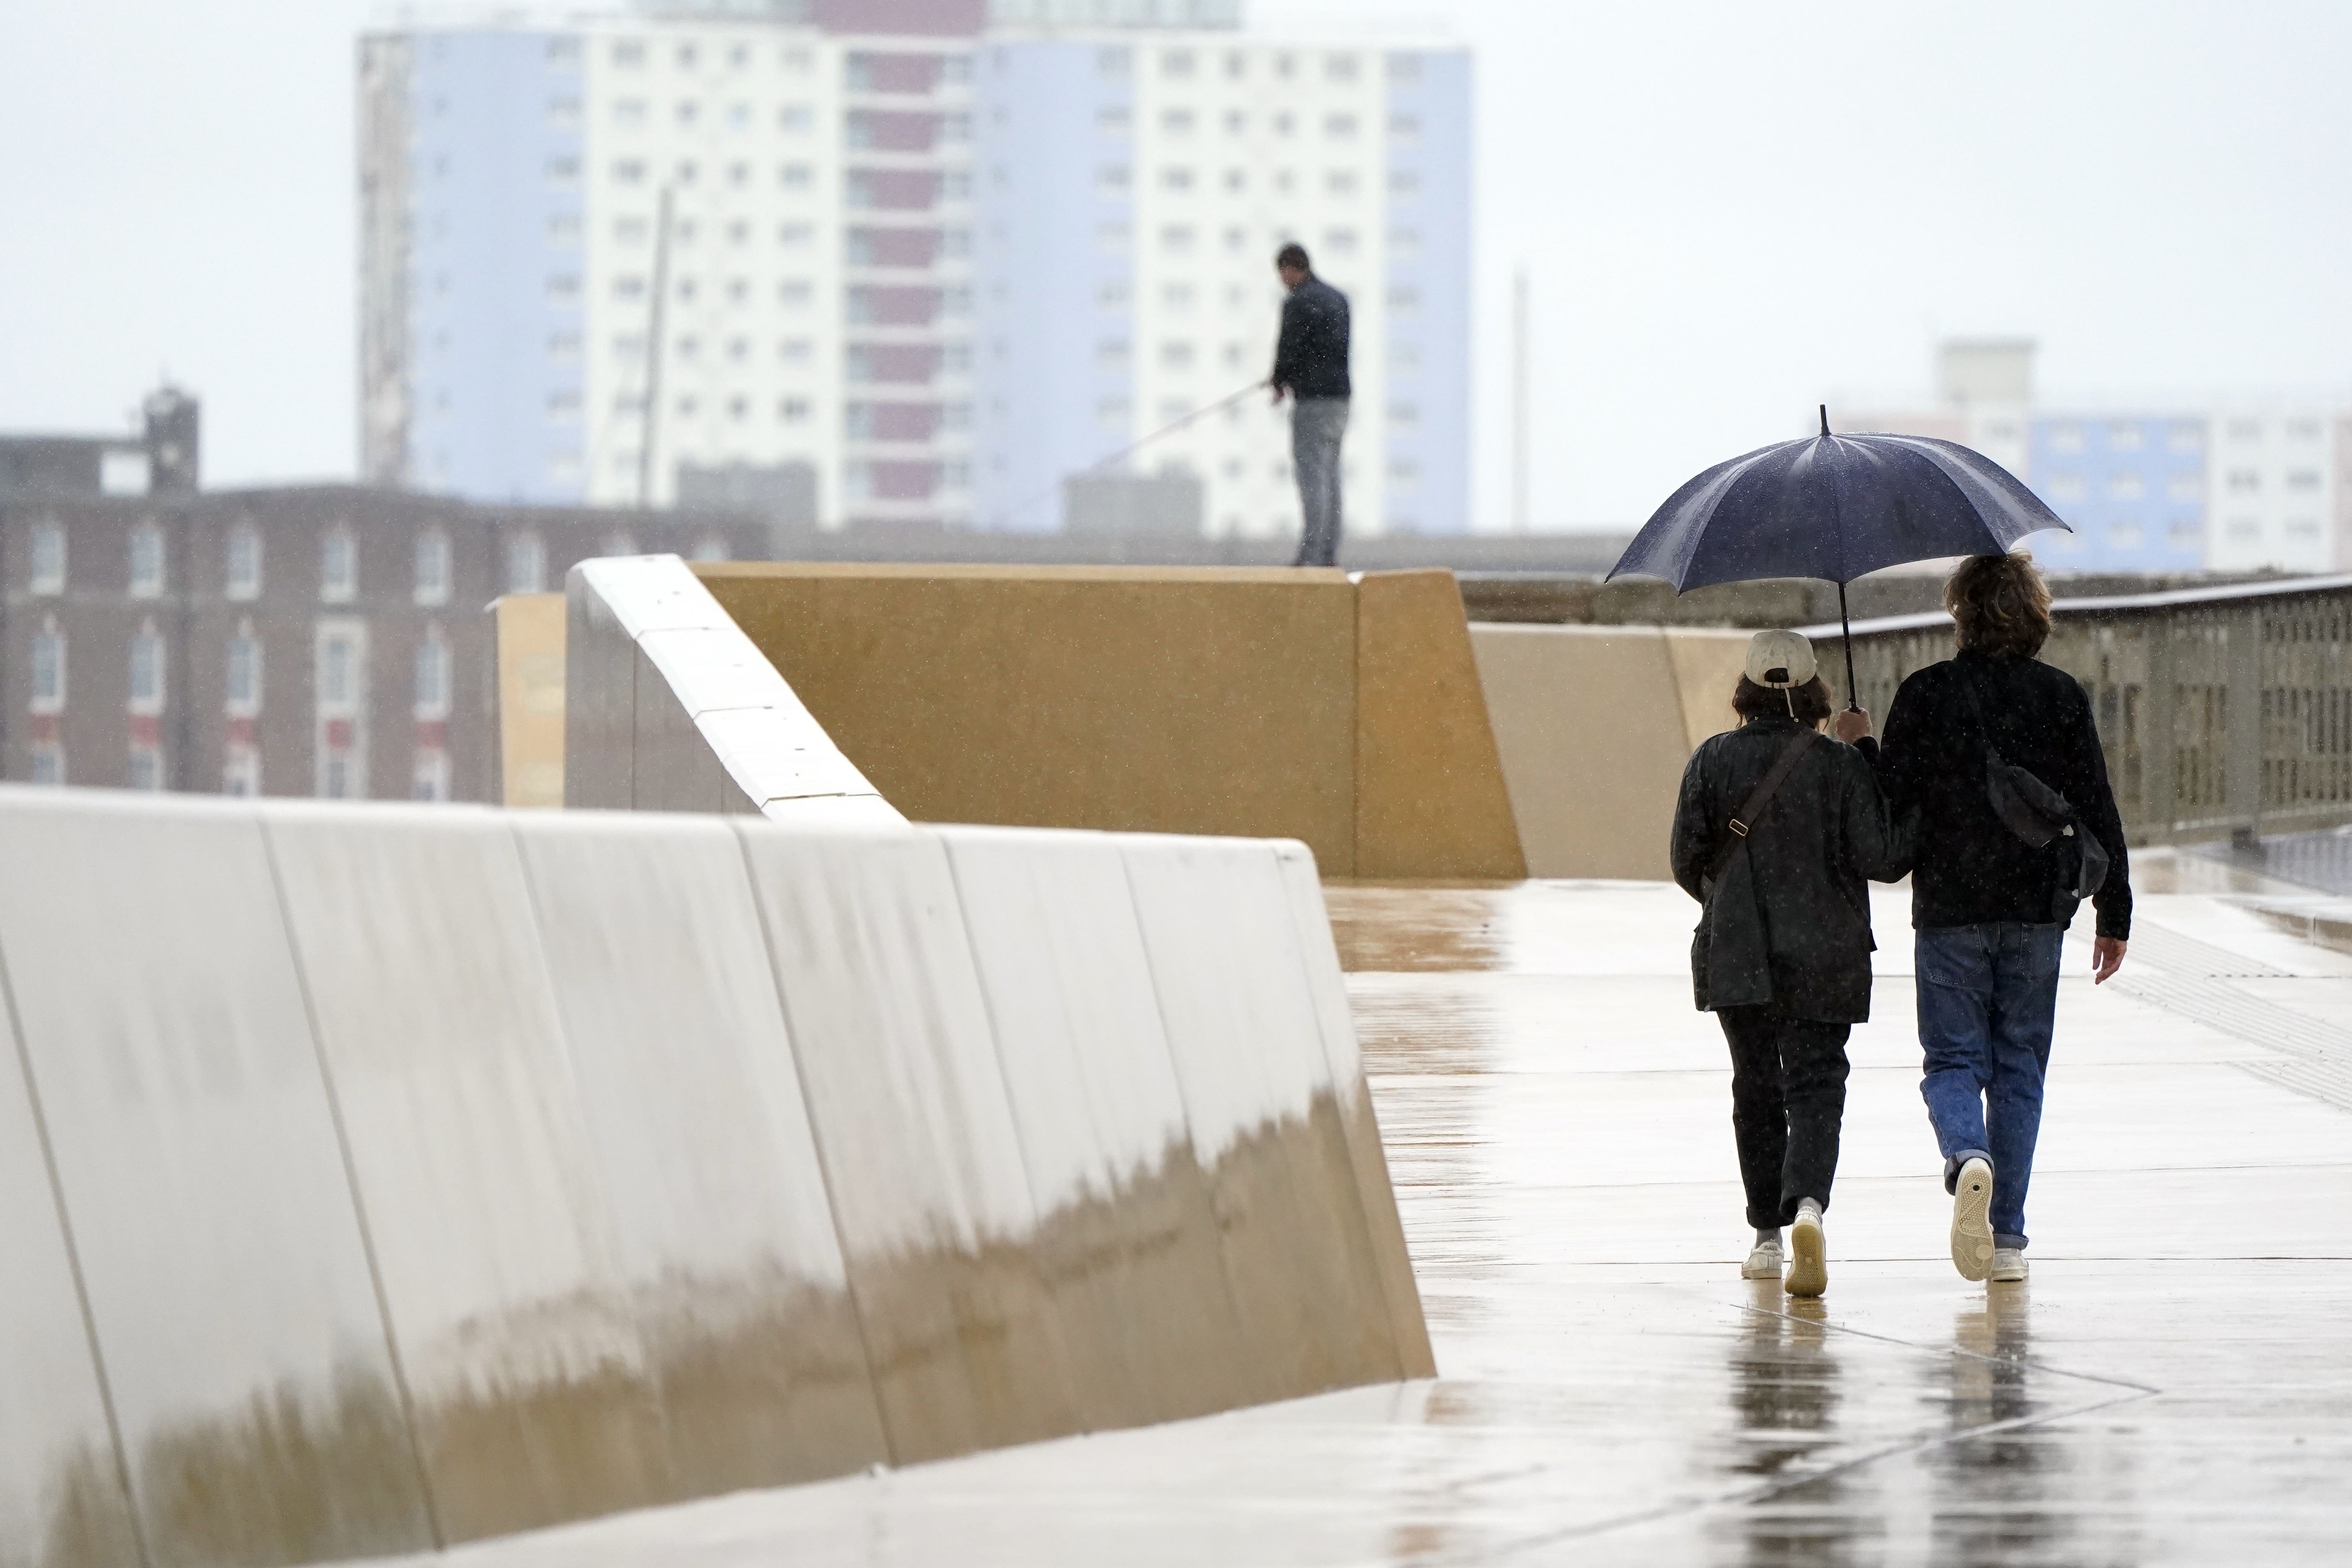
(2037, 815)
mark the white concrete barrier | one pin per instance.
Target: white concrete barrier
(169, 1057)
(680, 711)
(380, 1177)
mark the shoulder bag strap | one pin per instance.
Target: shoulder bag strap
(1782, 765)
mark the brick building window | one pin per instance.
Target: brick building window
(432, 676)
(243, 567)
(146, 562)
(241, 772)
(339, 566)
(49, 669)
(146, 670)
(432, 567)
(526, 565)
(48, 574)
(244, 682)
(146, 771)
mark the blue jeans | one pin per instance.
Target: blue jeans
(1987, 999)
(1316, 425)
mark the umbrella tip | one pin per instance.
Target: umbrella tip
(1825, 418)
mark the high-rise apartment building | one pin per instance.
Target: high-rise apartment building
(1133, 195)
(900, 261)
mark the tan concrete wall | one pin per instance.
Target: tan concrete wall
(1177, 701)
(1593, 725)
(528, 642)
(1429, 797)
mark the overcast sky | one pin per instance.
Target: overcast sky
(1728, 212)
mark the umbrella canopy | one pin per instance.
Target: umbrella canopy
(1833, 507)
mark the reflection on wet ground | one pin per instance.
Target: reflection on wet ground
(2174, 1385)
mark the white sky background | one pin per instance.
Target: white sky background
(1728, 212)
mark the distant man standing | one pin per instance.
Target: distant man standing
(1310, 364)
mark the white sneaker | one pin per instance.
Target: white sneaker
(1971, 1231)
(1763, 1261)
(1809, 1271)
(2008, 1265)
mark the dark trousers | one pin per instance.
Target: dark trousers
(1788, 1096)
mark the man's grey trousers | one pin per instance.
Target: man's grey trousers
(1316, 425)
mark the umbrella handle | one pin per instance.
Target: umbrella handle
(1846, 625)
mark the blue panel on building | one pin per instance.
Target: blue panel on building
(2130, 486)
(1053, 274)
(1428, 457)
(497, 179)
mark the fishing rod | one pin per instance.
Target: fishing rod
(1136, 446)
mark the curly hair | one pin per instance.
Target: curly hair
(1807, 704)
(2000, 605)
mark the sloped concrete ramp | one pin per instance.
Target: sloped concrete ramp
(378, 1178)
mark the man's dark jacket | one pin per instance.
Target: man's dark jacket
(1969, 870)
(1311, 359)
(1789, 923)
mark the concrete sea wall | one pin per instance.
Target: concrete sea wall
(379, 1177)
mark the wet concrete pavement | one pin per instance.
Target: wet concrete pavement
(2174, 1385)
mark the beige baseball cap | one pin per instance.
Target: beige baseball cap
(1781, 660)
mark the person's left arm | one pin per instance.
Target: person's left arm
(2085, 786)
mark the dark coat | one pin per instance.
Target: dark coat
(1311, 360)
(1789, 923)
(1969, 870)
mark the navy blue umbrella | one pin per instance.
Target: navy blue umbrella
(1834, 507)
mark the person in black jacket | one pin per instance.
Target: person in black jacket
(1782, 956)
(1310, 366)
(1992, 913)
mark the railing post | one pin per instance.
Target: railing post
(2159, 802)
(2245, 725)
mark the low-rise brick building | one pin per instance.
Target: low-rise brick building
(319, 640)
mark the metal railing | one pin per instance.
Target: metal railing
(2223, 711)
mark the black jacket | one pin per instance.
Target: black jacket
(1311, 360)
(1969, 870)
(1789, 922)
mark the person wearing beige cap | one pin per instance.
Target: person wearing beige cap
(1778, 830)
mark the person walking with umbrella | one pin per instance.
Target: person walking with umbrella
(1990, 743)
(1776, 832)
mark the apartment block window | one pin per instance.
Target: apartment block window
(2244, 481)
(1176, 122)
(146, 670)
(49, 558)
(244, 684)
(48, 763)
(2185, 486)
(241, 772)
(432, 676)
(146, 771)
(2125, 487)
(526, 563)
(1404, 181)
(2066, 487)
(339, 566)
(2245, 429)
(146, 561)
(49, 668)
(432, 567)
(2123, 438)
(2185, 435)
(2065, 437)
(1340, 127)
(2302, 479)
